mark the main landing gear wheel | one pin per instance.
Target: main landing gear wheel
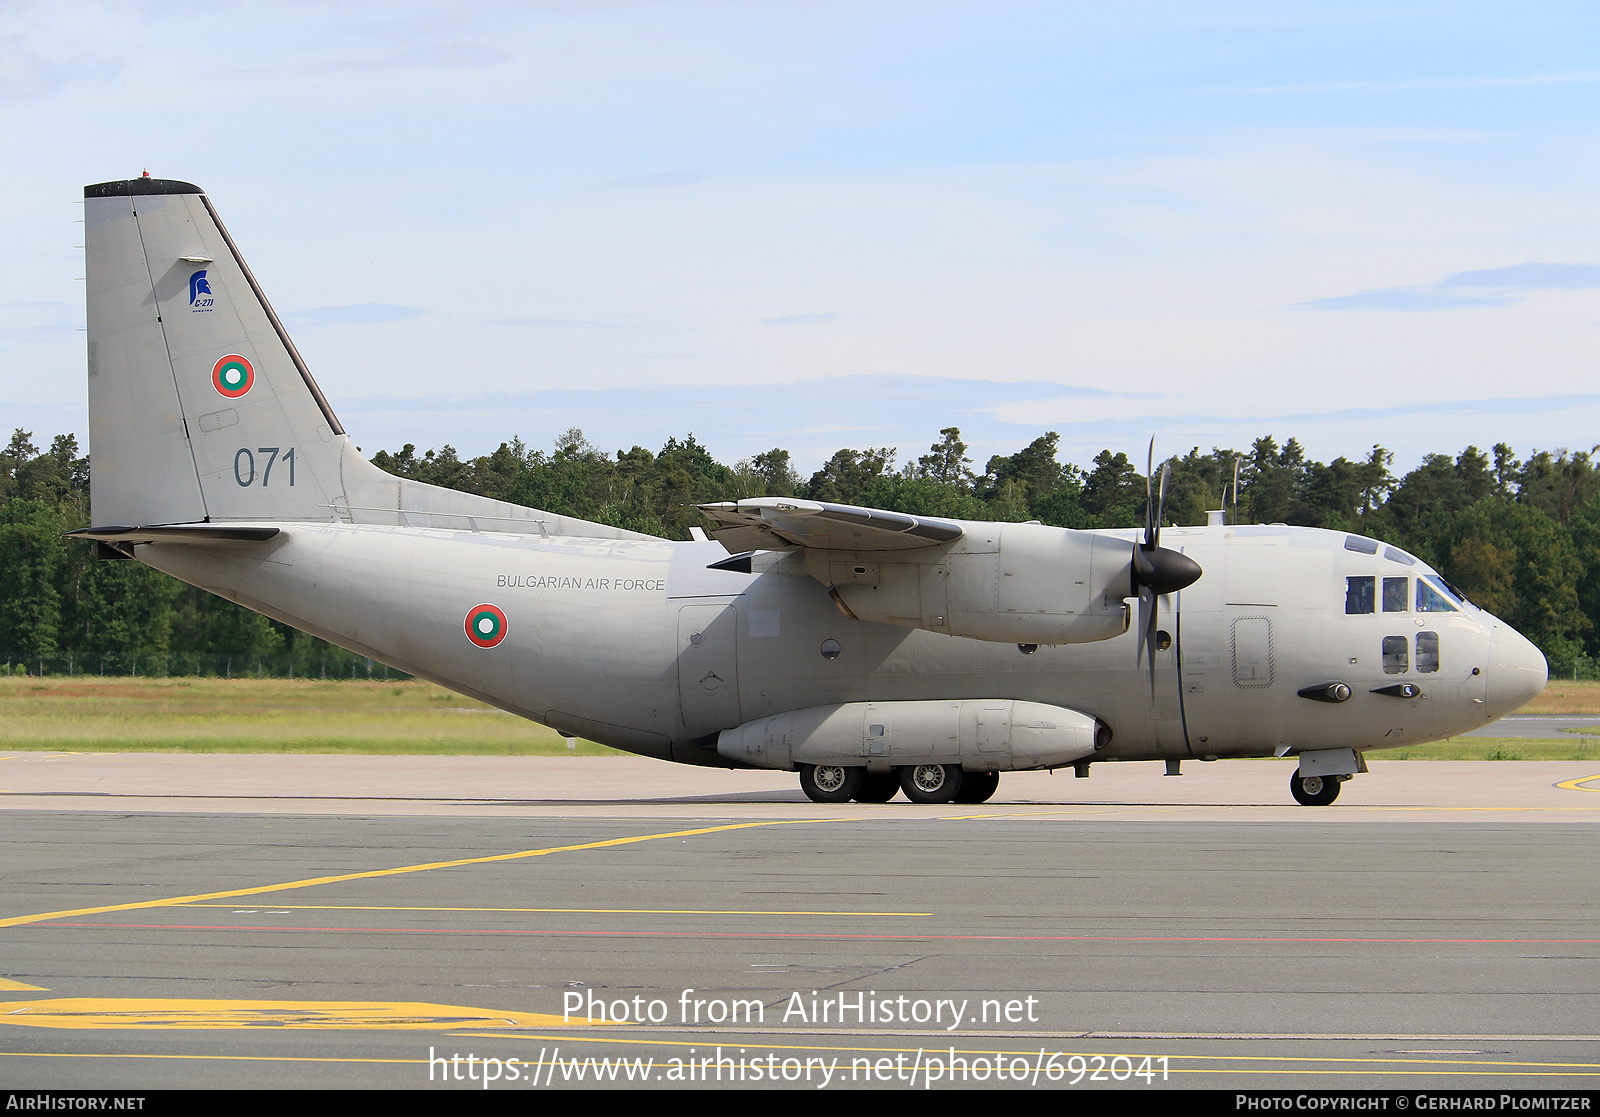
(976, 787)
(931, 783)
(1314, 791)
(878, 787)
(830, 783)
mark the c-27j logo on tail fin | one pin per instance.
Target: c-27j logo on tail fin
(199, 292)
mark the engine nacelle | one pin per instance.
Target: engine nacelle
(1010, 583)
(982, 735)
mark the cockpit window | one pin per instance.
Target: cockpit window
(1432, 599)
(1361, 544)
(1398, 556)
(1394, 595)
(1359, 594)
(1451, 590)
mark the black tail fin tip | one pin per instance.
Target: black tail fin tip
(124, 188)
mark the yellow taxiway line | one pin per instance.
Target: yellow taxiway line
(146, 1013)
(311, 882)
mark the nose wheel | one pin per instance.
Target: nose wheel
(1314, 791)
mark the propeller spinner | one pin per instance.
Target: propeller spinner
(1157, 571)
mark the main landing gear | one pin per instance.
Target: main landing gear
(878, 787)
(976, 787)
(830, 783)
(1314, 791)
(922, 783)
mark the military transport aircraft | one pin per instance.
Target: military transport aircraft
(870, 651)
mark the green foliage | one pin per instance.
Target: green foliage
(946, 462)
(32, 554)
(1113, 493)
(1524, 567)
(845, 477)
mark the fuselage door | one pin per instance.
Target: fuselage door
(994, 733)
(1252, 653)
(708, 668)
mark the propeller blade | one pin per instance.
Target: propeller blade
(1146, 602)
(1236, 463)
(1150, 520)
(1156, 571)
(1154, 537)
(1149, 614)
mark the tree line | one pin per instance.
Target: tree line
(1520, 537)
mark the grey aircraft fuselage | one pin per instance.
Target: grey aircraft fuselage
(857, 646)
(640, 645)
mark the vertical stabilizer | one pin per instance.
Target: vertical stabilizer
(200, 409)
(199, 406)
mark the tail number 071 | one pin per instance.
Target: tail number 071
(245, 465)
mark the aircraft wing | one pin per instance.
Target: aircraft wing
(785, 523)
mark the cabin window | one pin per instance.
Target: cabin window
(1359, 594)
(1430, 600)
(1396, 655)
(1394, 595)
(1427, 652)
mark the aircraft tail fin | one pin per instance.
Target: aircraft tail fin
(201, 409)
(199, 406)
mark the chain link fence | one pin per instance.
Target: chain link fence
(215, 666)
(1578, 668)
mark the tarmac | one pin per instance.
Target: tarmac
(174, 921)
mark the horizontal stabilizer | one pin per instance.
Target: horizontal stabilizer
(784, 523)
(178, 533)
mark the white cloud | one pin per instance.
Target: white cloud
(953, 195)
(1572, 77)
(1483, 287)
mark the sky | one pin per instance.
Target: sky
(812, 225)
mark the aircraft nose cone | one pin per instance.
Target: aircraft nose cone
(1517, 671)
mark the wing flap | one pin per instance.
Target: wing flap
(785, 523)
